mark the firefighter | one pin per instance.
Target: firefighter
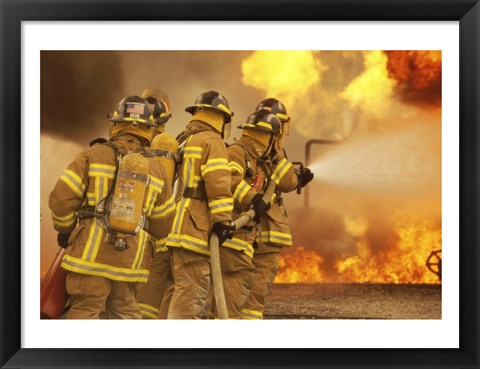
(154, 296)
(107, 188)
(250, 165)
(204, 203)
(273, 231)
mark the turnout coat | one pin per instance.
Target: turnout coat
(204, 195)
(86, 182)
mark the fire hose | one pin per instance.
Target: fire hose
(215, 266)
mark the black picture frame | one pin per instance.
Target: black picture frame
(12, 355)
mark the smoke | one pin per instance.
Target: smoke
(419, 76)
(184, 75)
(389, 122)
(78, 90)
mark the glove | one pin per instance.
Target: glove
(62, 239)
(259, 206)
(223, 231)
(305, 177)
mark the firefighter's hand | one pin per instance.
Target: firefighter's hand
(62, 239)
(305, 177)
(259, 206)
(223, 231)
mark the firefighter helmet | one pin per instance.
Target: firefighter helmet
(264, 121)
(159, 104)
(159, 94)
(214, 101)
(275, 107)
(159, 110)
(133, 109)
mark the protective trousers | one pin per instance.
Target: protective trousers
(153, 299)
(92, 295)
(237, 275)
(265, 261)
(191, 273)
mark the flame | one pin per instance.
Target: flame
(401, 260)
(300, 266)
(373, 89)
(285, 75)
(419, 75)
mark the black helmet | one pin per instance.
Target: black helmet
(212, 100)
(275, 107)
(133, 109)
(263, 120)
(159, 110)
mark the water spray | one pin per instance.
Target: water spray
(308, 146)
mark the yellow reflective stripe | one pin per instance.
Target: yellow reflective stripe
(149, 201)
(64, 221)
(73, 181)
(251, 314)
(277, 237)
(282, 116)
(148, 311)
(160, 245)
(240, 245)
(264, 124)
(224, 108)
(218, 206)
(241, 190)
(103, 270)
(101, 188)
(164, 209)
(135, 120)
(189, 172)
(142, 237)
(280, 170)
(93, 241)
(194, 152)
(156, 183)
(234, 167)
(91, 198)
(177, 223)
(214, 164)
(101, 170)
(188, 242)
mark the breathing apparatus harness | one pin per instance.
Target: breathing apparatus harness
(102, 210)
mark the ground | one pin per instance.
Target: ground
(354, 301)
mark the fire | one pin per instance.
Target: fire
(300, 266)
(373, 89)
(401, 260)
(286, 75)
(419, 75)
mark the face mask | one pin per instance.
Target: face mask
(227, 129)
